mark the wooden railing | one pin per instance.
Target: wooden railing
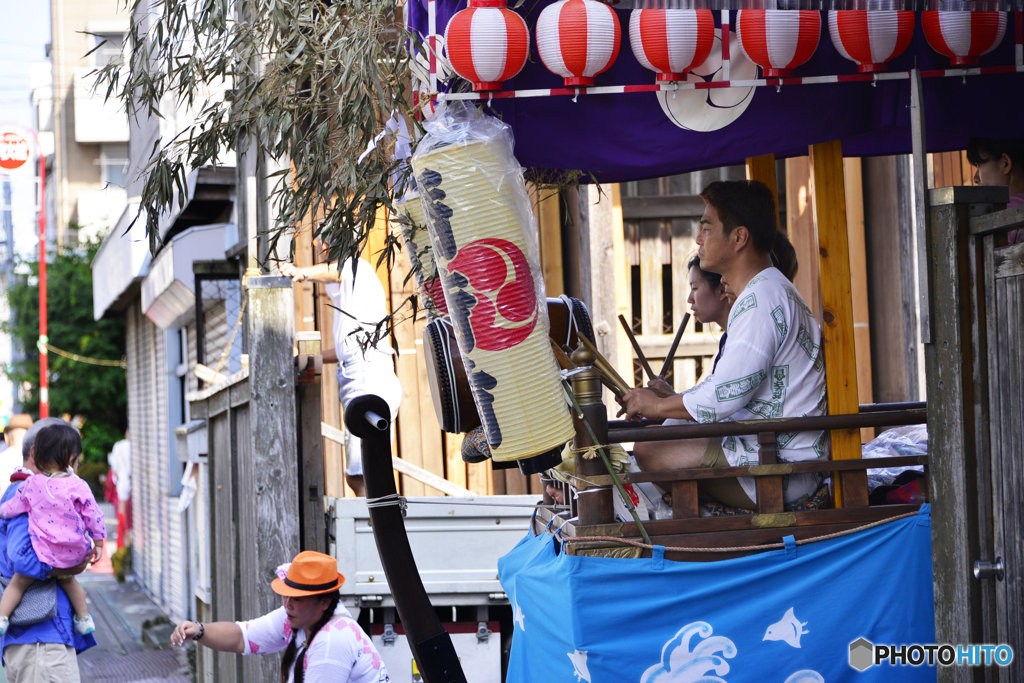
(594, 506)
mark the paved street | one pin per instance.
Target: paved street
(120, 655)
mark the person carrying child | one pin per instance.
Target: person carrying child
(62, 516)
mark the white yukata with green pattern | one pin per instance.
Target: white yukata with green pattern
(772, 368)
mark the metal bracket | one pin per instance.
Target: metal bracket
(389, 636)
(770, 470)
(772, 521)
(370, 600)
(482, 632)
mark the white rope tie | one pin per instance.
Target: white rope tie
(388, 501)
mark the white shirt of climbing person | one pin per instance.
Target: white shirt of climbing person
(321, 641)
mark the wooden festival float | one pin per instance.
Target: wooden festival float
(627, 598)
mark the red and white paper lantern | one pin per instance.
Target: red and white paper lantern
(778, 40)
(671, 42)
(964, 36)
(578, 39)
(487, 43)
(870, 37)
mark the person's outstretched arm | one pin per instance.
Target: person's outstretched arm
(224, 636)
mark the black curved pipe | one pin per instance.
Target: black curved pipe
(430, 643)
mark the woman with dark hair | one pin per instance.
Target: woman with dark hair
(321, 641)
(996, 163)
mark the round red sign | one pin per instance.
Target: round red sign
(14, 151)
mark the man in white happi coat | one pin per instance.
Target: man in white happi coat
(772, 366)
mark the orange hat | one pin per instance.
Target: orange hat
(19, 421)
(311, 573)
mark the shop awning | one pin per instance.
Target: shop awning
(168, 292)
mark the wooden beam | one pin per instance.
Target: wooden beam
(800, 228)
(620, 272)
(837, 337)
(859, 281)
(762, 169)
(549, 228)
(406, 467)
(952, 423)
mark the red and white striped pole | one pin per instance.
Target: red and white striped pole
(44, 389)
(726, 75)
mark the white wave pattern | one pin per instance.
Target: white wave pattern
(682, 664)
(806, 676)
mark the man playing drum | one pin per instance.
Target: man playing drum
(772, 366)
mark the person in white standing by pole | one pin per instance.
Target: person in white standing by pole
(359, 302)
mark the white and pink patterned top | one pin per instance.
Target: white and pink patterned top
(340, 653)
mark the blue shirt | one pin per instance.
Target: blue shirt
(17, 556)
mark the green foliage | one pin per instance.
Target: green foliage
(310, 82)
(121, 562)
(98, 439)
(96, 393)
(91, 473)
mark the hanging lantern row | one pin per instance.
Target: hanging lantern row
(578, 39)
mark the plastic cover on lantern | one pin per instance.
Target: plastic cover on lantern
(671, 42)
(778, 40)
(870, 38)
(578, 39)
(485, 242)
(963, 36)
(487, 45)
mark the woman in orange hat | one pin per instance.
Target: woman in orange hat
(320, 639)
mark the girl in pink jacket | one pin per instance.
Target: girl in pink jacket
(62, 515)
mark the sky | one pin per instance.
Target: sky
(25, 39)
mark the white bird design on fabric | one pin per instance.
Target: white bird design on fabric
(519, 617)
(579, 661)
(789, 629)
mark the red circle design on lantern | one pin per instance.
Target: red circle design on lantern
(487, 44)
(963, 36)
(778, 40)
(578, 39)
(671, 42)
(870, 37)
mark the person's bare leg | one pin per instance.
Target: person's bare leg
(356, 483)
(13, 594)
(654, 456)
(76, 596)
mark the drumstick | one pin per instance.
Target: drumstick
(563, 360)
(636, 347)
(675, 345)
(605, 367)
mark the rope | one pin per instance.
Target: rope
(767, 546)
(448, 501)
(231, 341)
(44, 344)
(589, 452)
(388, 501)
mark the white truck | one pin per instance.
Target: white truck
(456, 543)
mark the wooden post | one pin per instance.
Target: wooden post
(274, 443)
(837, 337)
(769, 489)
(800, 228)
(762, 169)
(595, 504)
(952, 424)
(311, 453)
(859, 282)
